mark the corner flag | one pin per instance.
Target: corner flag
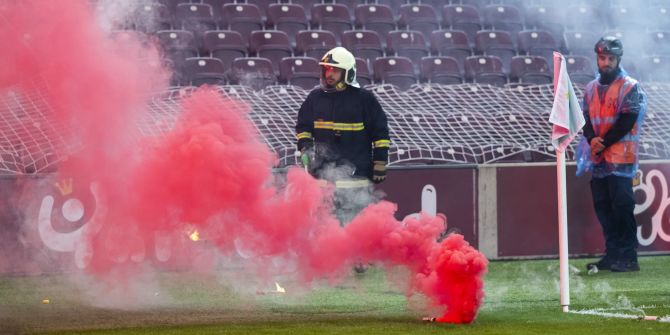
(566, 114)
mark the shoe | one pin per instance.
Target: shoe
(625, 266)
(602, 264)
(360, 268)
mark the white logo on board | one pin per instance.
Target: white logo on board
(647, 187)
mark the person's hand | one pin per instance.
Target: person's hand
(379, 172)
(597, 146)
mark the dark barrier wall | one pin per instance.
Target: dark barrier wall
(521, 198)
(527, 211)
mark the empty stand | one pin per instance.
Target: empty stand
(289, 18)
(225, 45)
(196, 17)
(410, 44)
(203, 70)
(331, 17)
(243, 18)
(421, 18)
(451, 43)
(530, 70)
(538, 43)
(503, 17)
(485, 70)
(271, 44)
(299, 71)
(365, 44)
(363, 74)
(314, 43)
(255, 72)
(580, 69)
(440, 70)
(462, 17)
(496, 43)
(398, 71)
(375, 17)
(580, 42)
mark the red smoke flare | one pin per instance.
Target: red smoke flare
(211, 173)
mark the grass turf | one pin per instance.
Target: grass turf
(522, 298)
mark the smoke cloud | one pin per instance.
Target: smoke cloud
(205, 190)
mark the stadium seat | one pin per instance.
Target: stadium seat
(225, 45)
(363, 75)
(152, 17)
(496, 43)
(440, 70)
(254, 72)
(299, 71)
(331, 17)
(410, 44)
(365, 44)
(627, 18)
(375, 17)
(217, 6)
(538, 43)
(580, 42)
(548, 18)
(178, 45)
(398, 71)
(171, 4)
(580, 69)
(314, 43)
(462, 17)
(451, 43)
(421, 18)
(203, 70)
(657, 43)
(195, 17)
(271, 44)
(503, 17)
(530, 70)
(657, 68)
(393, 4)
(485, 70)
(263, 6)
(658, 17)
(289, 18)
(243, 18)
(584, 17)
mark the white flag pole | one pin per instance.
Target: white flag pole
(562, 209)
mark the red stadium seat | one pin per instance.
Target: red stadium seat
(538, 43)
(300, 71)
(289, 18)
(398, 71)
(580, 42)
(195, 17)
(363, 74)
(203, 70)
(530, 70)
(451, 43)
(314, 43)
(254, 72)
(580, 69)
(548, 17)
(331, 17)
(225, 45)
(496, 43)
(410, 44)
(462, 17)
(152, 18)
(271, 44)
(375, 17)
(365, 44)
(241, 17)
(422, 18)
(485, 70)
(178, 44)
(440, 70)
(503, 17)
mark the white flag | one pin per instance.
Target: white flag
(566, 113)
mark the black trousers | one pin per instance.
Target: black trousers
(614, 203)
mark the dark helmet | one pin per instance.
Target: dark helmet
(609, 45)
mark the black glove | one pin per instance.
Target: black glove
(379, 172)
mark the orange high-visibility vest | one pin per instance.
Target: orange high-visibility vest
(604, 115)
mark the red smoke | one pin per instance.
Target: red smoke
(211, 173)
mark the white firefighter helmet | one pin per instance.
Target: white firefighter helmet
(340, 57)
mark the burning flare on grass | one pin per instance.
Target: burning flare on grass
(194, 235)
(279, 288)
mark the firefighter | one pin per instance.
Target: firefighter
(343, 134)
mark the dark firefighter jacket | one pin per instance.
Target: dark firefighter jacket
(346, 128)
